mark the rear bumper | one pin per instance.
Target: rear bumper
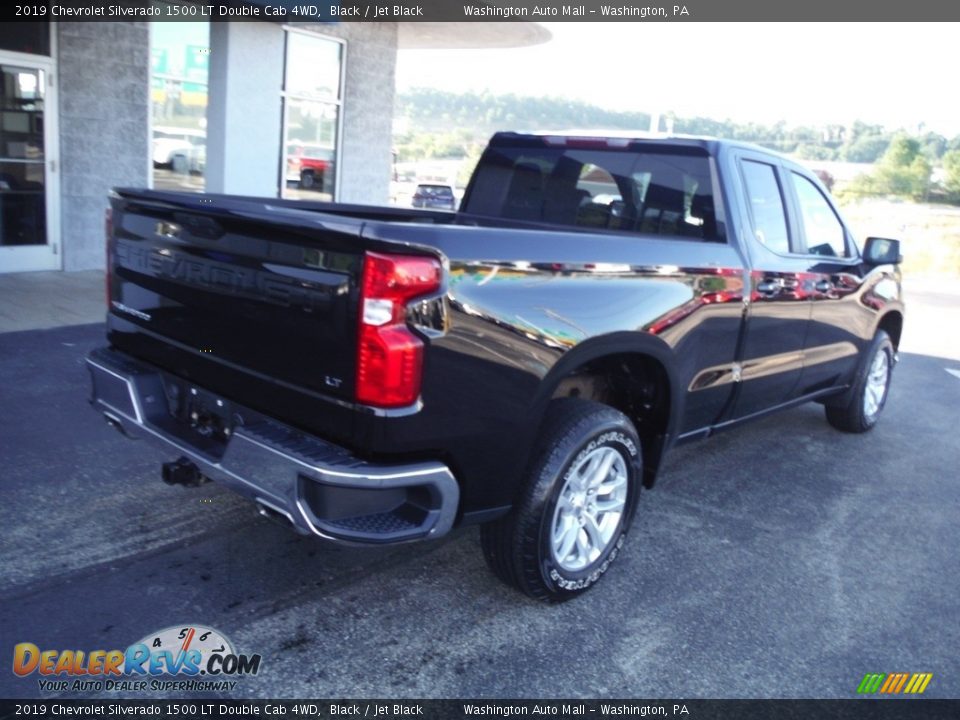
(319, 487)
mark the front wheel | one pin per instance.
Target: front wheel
(572, 516)
(870, 389)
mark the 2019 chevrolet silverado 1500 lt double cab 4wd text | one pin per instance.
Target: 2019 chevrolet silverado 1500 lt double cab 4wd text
(377, 375)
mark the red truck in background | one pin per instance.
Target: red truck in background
(310, 165)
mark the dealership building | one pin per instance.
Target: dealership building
(255, 108)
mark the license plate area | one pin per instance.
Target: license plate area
(207, 414)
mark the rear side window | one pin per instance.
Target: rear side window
(766, 206)
(653, 191)
(823, 231)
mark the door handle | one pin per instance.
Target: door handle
(823, 286)
(770, 286)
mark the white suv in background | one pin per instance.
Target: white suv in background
(181, 149)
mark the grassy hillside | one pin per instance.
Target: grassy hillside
(436, 123)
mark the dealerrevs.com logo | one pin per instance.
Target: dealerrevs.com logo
(179, 658)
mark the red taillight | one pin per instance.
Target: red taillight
(389, 355)
(108, 248)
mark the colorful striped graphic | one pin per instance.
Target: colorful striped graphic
(894, 683)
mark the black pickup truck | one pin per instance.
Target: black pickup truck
(378, 375)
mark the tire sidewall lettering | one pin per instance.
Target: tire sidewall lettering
(604, 439)
(583, 583)
(582, 580)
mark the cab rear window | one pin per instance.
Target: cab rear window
(651, 192)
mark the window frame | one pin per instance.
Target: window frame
(850, 247)
(286, 96)
(783, 168)
(792, 230)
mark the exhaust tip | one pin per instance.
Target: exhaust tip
(270, 513)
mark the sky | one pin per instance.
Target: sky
(894, 74)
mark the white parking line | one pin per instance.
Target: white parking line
(955, 373)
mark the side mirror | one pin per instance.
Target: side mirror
(882, 251)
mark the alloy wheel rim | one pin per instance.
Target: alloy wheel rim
(876, 388)
(589, 509)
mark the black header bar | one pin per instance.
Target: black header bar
(295, 11)
(213, 708)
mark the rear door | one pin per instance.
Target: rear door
(778, 314)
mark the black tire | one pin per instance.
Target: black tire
(866, 400)
(179, 164)
(307, 180)
(519, 547)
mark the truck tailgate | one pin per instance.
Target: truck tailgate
(214, 290)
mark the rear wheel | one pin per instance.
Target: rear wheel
(870, 389)
(307, 180)
(571, 519)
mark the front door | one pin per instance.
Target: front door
(29, 225)
(840, 312)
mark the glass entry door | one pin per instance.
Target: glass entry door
(28, 225)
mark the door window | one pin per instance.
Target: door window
(766, 206)
(825, 235)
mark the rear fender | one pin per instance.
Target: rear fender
(619, 343)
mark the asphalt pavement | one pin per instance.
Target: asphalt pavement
(779, 559)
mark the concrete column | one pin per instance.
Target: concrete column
(365, 155)
(244, 111)
(104, 85)
(369, 87)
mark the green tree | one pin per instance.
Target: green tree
(903, 171)
(902, 151)
(951, 166)
(865, 148)
(815, 152)
(934, 145)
